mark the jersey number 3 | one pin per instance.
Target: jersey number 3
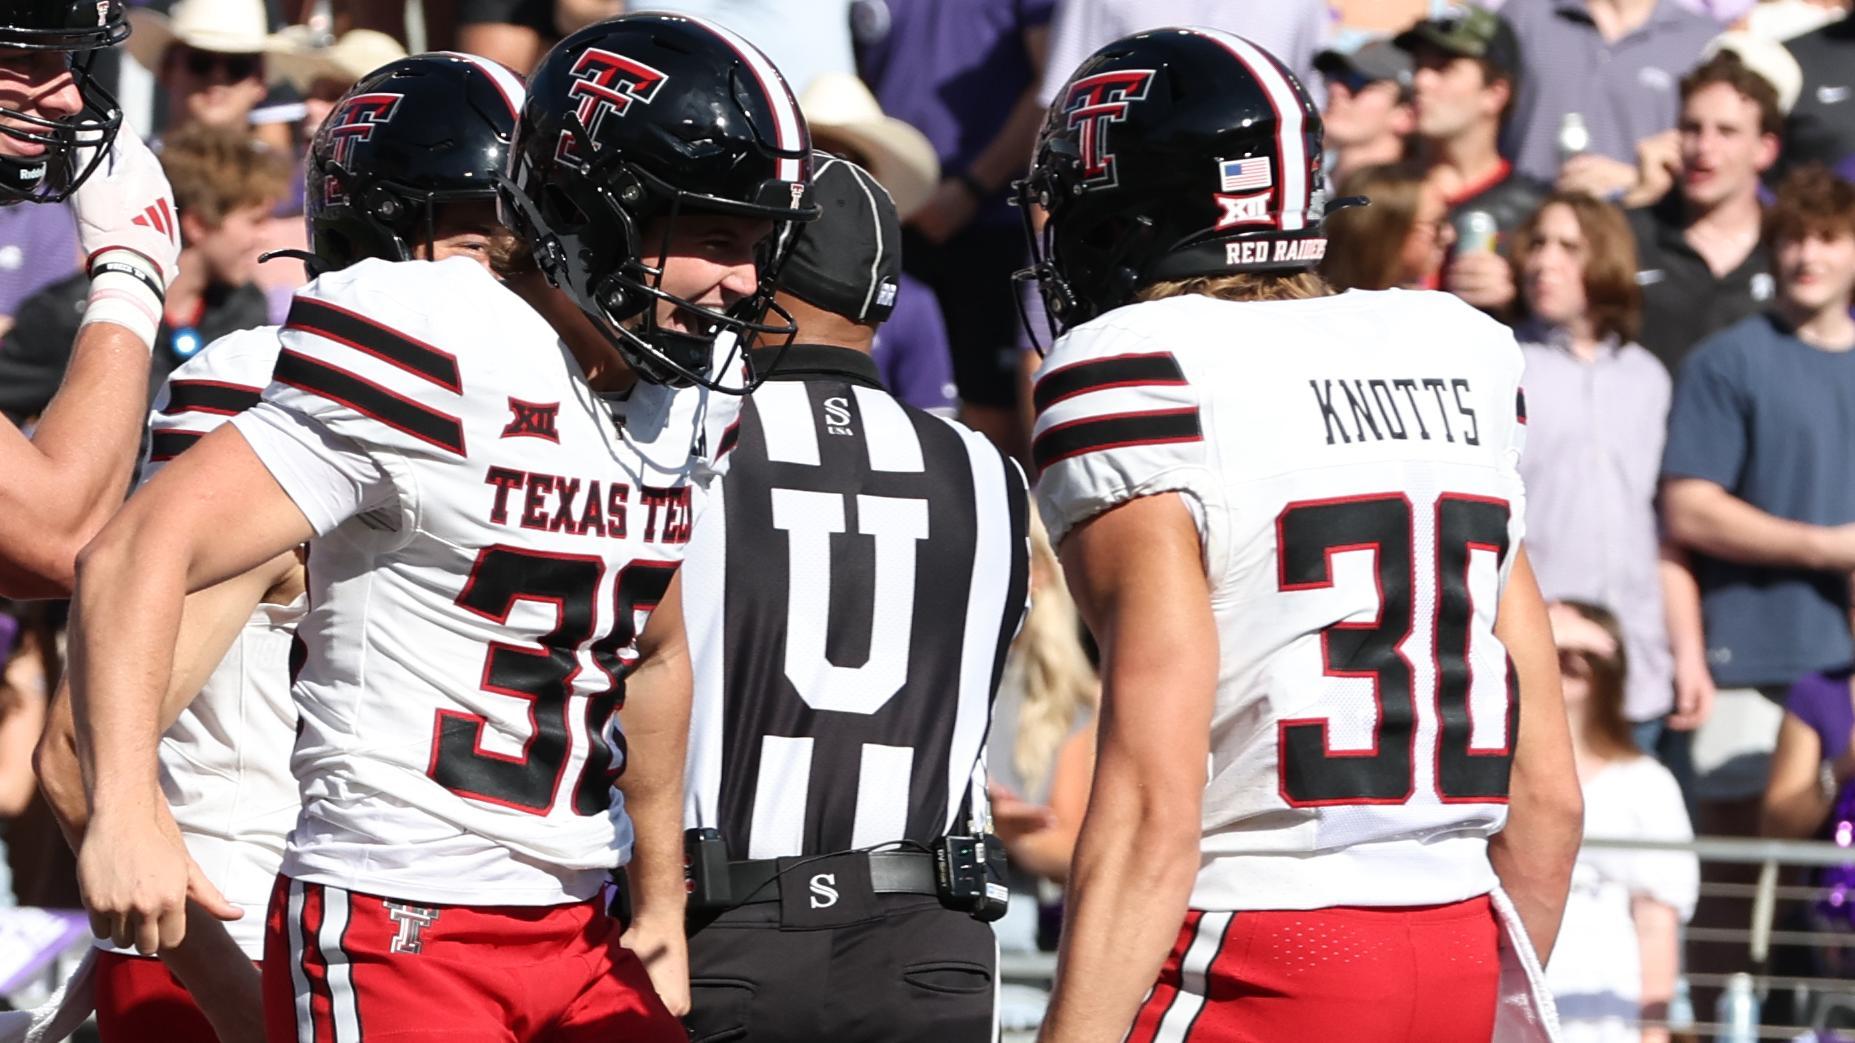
(1309, 534)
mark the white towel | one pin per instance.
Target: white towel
(1526, 1013)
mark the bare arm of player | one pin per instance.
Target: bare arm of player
(1704, 516)
(214, 513)
(208, 962)
(1139, 580)
(210, 621)
(1533, 855)
(656, 723)
(58, 489)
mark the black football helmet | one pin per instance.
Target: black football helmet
(1171, 154)
(80, 28)
(413, 134)
(654, 116)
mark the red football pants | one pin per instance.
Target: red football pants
(344, 967)
(137, 999)
(1414, 975)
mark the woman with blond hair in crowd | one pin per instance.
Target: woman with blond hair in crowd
(1042, 744)
(1040, 756)
(1400, 240)
(1619, 943)
(1597, 416)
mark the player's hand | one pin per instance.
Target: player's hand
(1483, 278)
(1694, 690)
(947, 211)
(1596, 175)
(663, 947)
(136, 878)
(127, 205)
(1013, 817)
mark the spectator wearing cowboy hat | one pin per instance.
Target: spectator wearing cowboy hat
(208, 55)
(911, 349)
(321, 69)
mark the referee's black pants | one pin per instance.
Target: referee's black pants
(916, 972)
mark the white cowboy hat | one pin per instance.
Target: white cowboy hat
(301, 61)
(221, 26)
(838, 105)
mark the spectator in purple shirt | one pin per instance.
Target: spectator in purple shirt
(1597, 413)
(38, 247)
(1615, 64)
(965, 72)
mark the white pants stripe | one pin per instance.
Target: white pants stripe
(293, 923)
(340, 972)
(325, 947)
(1177, 1024)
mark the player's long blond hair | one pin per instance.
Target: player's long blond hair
(1059, 681)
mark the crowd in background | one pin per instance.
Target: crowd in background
(1654, 193)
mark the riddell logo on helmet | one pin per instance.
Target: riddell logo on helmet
(1094, 102)
(605, 83)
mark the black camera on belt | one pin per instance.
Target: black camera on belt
(966, 873)
(969, 873)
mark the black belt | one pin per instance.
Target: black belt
(891, 873)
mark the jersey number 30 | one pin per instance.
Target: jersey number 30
(1308, 535)
(544, 677)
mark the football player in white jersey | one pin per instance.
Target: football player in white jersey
(225, 757)
(1331, 728)
(489, 522)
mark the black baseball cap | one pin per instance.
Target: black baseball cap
(848, 261)
(1372, 62)
(1469, 32)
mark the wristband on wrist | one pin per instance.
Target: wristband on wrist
(125, 292)
(1826, 781)
(973, 188)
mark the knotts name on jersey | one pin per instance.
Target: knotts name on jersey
(585, 506)
(1425, 408)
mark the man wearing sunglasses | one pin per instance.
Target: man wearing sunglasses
(209, 56)
(1368, 114)
(60, 138)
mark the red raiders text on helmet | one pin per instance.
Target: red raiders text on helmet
(605, 82)
(1092, 104)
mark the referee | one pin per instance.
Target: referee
(872, 560)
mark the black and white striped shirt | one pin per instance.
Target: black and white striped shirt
(850, 594)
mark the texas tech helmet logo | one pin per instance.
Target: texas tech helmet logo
(348, 127)
(355, 121)
(1092, 104)
(606, 84)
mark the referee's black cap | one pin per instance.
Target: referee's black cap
(848, 261)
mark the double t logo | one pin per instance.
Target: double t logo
(1093, 102)
(605, 83)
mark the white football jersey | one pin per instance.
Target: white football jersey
(1352, 465)
(225, 761)
(491, 535)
